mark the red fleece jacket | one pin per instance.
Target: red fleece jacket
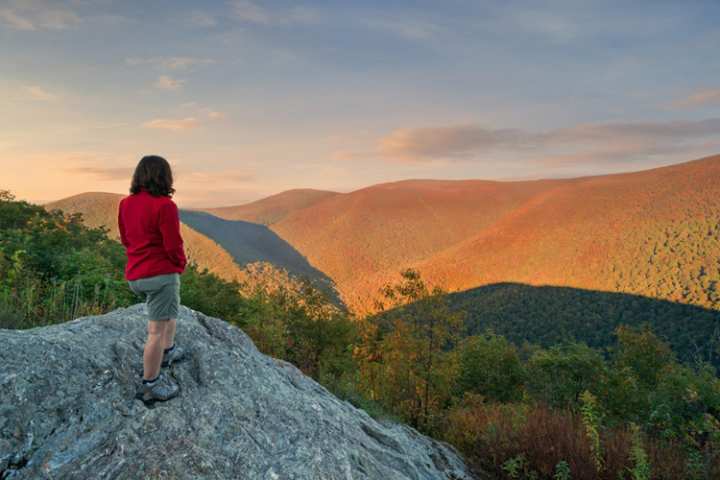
(150, 231)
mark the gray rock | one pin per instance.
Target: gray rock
(67, 410)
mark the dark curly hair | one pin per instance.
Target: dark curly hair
(154, 175)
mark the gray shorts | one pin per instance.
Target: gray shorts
(161, 293)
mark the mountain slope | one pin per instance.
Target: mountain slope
(100, 209)
(250, 243)
(274, 208)
(615, 233)
(240, 414)
(548, 315)
(385, 227)
(654, 233)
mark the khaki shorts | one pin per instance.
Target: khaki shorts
(161, 293)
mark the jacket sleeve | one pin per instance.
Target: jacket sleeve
(121, 226)
(170, 230)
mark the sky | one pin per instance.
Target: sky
(249, 98)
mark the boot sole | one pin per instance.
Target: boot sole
(150, 402)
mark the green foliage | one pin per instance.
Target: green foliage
(306, 329)
(559, 375)
(490, 365)
(549, 315)
(643, 353)
(640, 463)
(205, 292)
(591, 419)
(410, 369)
(562, 471)
(53, 268)
(515, 466)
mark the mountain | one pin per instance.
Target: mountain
(652, 233)
(548, 316)
(251, 243)
(233, 250)
(67, 410)
(274, 208)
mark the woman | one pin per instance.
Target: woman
(150, 231)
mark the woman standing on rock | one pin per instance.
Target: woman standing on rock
(150, 231)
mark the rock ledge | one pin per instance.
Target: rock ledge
(67, 411)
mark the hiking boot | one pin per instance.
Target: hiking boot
(173, 356)
(162, 389)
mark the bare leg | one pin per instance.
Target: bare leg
(152, 356)
(169, 337)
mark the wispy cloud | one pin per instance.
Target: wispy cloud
(165, 82)
(250, 12)
(581, 143)
(36, 92)
(168, 63)
(103, 173)
(213, 178)
(172, 124)
(186, 177)
(215, 115)
(700, 98)
(37, 15)
(200, 110)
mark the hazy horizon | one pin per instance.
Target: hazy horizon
(248, 99)
(214, 202)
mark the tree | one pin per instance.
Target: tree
(490, 365)
(559, 375)
(418, 370)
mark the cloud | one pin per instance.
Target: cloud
(103, 173)
(700, 98)
(36, 92)
(186, 178)
(585, 143)
(201, 110)
(165, 82)
(172, 124)
(250, 12)
(215, 115)
(451, 141)
(215, 178)
(31, 15)
(168, 63)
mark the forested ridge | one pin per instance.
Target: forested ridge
(548, 315)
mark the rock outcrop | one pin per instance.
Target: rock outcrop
(67, 410)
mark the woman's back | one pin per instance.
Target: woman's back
(150, 231)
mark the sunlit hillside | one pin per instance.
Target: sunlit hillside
(652, 233)
(274, 208)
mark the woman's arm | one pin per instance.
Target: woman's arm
(170, 230)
